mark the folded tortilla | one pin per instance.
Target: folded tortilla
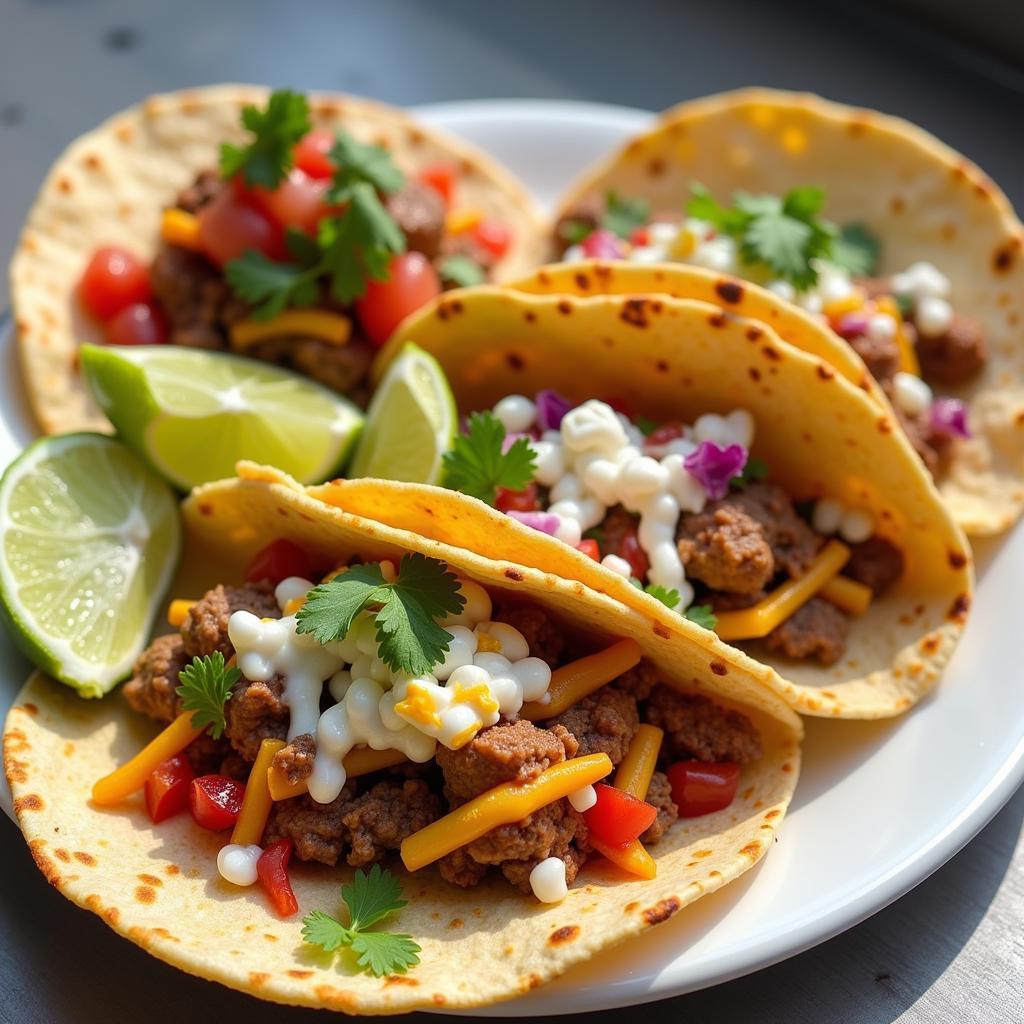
(923, 200)
(672, 359)
(110, 187)
(158, 885)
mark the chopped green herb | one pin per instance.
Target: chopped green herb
(575, 231)
(856, 250)
(645, 425)
(461, 271)
(369, 899)
(623, 216)
(905, 304)
(755, 469)
(268, 158)
(595, 533)
(271, 287)
(405, 611)
(205, 687)
(357, 162)
(702, 615)
(668, 597)
(477, 466)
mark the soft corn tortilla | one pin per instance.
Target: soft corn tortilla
(922, 199)
(112, 185)
(672, 359)
(159, 885)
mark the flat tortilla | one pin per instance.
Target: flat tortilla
(111, 186)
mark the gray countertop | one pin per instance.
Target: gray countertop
(952, 950)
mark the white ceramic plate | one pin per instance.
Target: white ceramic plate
(880, 805)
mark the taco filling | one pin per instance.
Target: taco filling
(686, 513)
(303, 248)
(913, 341)
(399, 709)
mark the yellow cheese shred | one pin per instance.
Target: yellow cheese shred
(637, 767)
(361, 761)
(851, 596)
(321, 324)
(632, 857)
(256, 804)
(501, 805)
(178, 610)
(908, 354)
(180, 228)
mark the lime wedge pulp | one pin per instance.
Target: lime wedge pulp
(90, 539)
(411, 422)
(193, 414)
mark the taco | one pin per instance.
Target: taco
(668, 453)
(286, 229)
(917, 267)
(471, 776)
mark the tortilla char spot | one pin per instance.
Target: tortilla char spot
(897, 205)
(258, 978)
(662, 910)
(172, 869)
(145, 894)
(960, 607)
(295, 973)
(631, 906)
(1006, 254)
(655, 167)
(29, 708)
(930, 644)
(205, 509)
(582, 281)
(439, 999)
(754, 373)
(719, 319)
(84, 858)
(747, 793)
(92, 161)
(414, 135)
(825, 372)
(661, 366)
(400, 979)
(31, 802)
(884, 425)
(772, 814)
(111, 915)
(61, 854)
(948, 232)
(564, 934)
(751, 850)
(660, 630)
(150, 880)
(515, 361)
(771, 353)
(634, 312)
(514, 574)
(564, 307)
(787, 767)
(544, 277)
(701, 854)
(719, 668)
(714, 874)
(455, 922)
(529, 316)
(957, 559)
(64, 185)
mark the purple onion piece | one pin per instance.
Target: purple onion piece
(545, 522)
(852, 325)
(603, 244)
(510, 439)
(551, 409)
(714, 466)
(949, 417)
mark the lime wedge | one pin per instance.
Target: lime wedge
(410, 423)
(90, 538)
(193, 414)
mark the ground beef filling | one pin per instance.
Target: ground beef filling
(659, 794)
(205, 628)
(726, 549)
(698, 729)
(295, 760)
(817, 631)
(603, 723)
(150, 691)
(545, 640)
(254, 713)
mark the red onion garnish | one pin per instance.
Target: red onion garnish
(551, 408)
(949, 417)
(852, 325)
(545, 522)
(714, 466)
(602, 244)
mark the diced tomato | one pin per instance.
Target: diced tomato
(517, 501)
(312, 154)
(629, 548)
(618, 817)
(640, 236)
(215, 801)
(493, 236)
(139, 324)
(280, 559)
(665, 434)
(590, 548)
(113, 280)
(230, 225)
(700, 787)
(412, 282)
(298, 202)
(272, 871)
(167, 788)
(441, 177)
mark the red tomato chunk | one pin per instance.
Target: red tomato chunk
(590, 548)
(280, 559)
(215, 801)
(272, 871)
(441, 178)
(618, 817)
(312, 155)
(229, 226)
(298, 202)
(517, 501)
(702, 787)
(412, 282)
(139, 324)
(493, 236)
(167, 788)
(113, 280)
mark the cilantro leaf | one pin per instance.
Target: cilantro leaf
(268, 158)
(205, 687)
(669, 598)
(271, 287)
(595, 533)
(461, 271)
(477, 466)
(704, 206)
(623, 216)
(385, 953)
(371, 897)
(575, 231)
(645, 426)
(755, 469)
(702, 615)
(856, 250)
(361, 162)
(405, 610)
(320, 929)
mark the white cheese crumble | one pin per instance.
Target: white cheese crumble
(911, 394)
(237, 864)
(583, 799)
(547, 880)
(854, 525)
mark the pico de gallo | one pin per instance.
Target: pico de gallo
(304, 248)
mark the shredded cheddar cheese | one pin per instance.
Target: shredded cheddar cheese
(908, 354)
(851, 596)
(256, 804)
(637, 767)
(333, 328)
(461, 220)
(361, 761)
(632, 857)
(178, 610)
(180, 228)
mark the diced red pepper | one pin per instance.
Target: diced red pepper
(493, 236)
(279, 560)
(215, 801)
(632, 552)
(167, 788)
(590, 548)
(517, 501)
(665, 434)
(640, 236)
(701, 787)
(272, 871)
(441, 177)
(618, 817)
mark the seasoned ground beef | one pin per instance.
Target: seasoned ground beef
(877, 563)
(510, 751)
(545, 640)
(794, 544)
(200, 192)
(518, 871)
(955, 357)
(723, 602)
(317, 830)
(194, 297)
(381, 818)
(817, 630)
(255, 713)
(880, 355)
(419, 212)
(606, 721)
(296, 759)
(930, 447)
(207, 755)
(205, 628)
(544, 833)
(617, 525)
(460, 869)
(696, 727)
(150, 691)
(637, 682)
(659, 794)
(725, 549)
(343, 368)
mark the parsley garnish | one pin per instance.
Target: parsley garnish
(645, 426)
(624, 216)
(369, 899)
(358, 162)
(755, 469)
(461, 271)
(669, 598)
(856, 250)
(702, 615)
(575, 231)
(782, 234)
(205, 687)
(269, 157)
(409, 638)
(477, 466)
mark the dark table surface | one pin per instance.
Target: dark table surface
(951, 950)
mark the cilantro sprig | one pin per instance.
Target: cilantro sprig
(670, 598)
(477, 466)
(754, 469)
(369, 899)
(461, 271)
(856, 250)
(268, 157)
(205, 687)
(623, 215)
(702, 615)
(404, 610)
